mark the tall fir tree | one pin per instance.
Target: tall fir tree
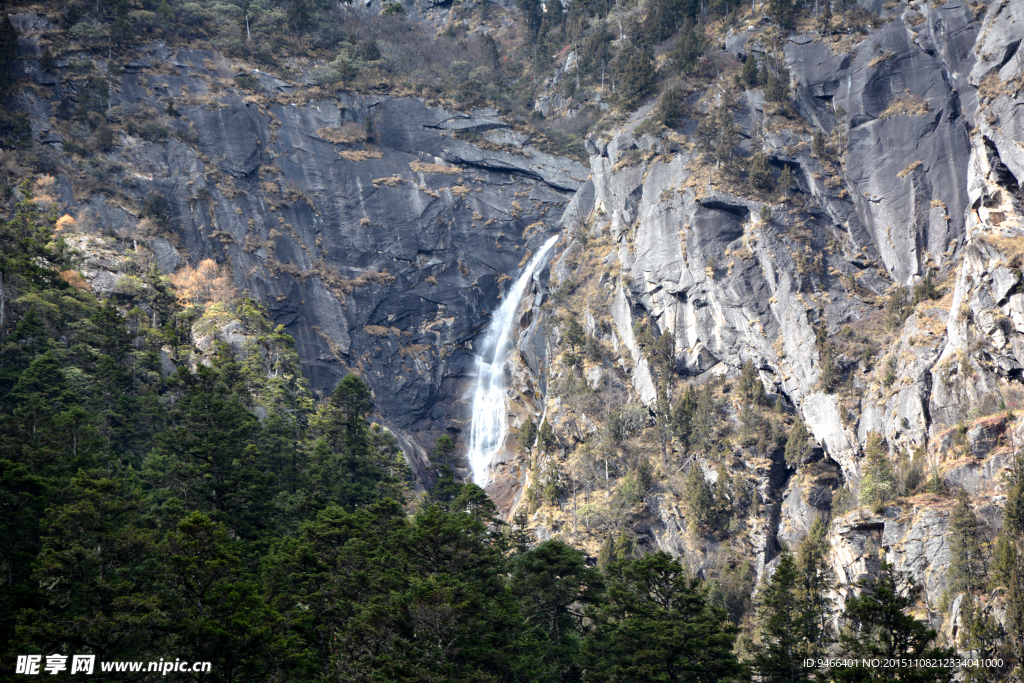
(657, 625)
(967, 566)
(779, 656)
(797, 448)
(876, 626)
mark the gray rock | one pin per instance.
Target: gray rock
(167, 257)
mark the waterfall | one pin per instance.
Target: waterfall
(489, 428)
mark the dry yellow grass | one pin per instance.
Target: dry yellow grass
(1008, 246)
(348, 133)
(390, 181)
(460, 190)
(906, 105)
(420, 167)
(880, 58)
(361, 154)
(909, 169)
(990, 87)
(75, 279)
(377, 330)
(65, 222)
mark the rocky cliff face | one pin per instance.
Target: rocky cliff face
(919, 176)
(376, 237)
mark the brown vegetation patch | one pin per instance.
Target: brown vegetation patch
(906, 105)
(990, 87)
(75, 279)
(348, 133)
(361, 154)
(880, 58)
(913, 166)
(420, 167)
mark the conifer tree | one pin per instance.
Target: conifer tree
(527, 435)
(8, 53)
(656, 625)
(797, 448)
(818, 144)
(667, 113)
(554, 588)
(748, 74)
(689, 47)
(704, 436)
(877, 484)
(876, 625)
(750, 384)
(637, 77)
(981, 636)
(573, 333)
(760, 172)
(443, 452)
(785, 181)
(782, 648)
(1008, 558)
(967, 568)
(699, 498)
(682, 415)
(816, 580)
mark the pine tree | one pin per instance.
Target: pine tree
(719, 135)
(215, 604)
(818, 144)
(700, 500)
(781, 651)
(682, 416)
(752, 425)
(981, 636)
(573, 333)
(785, 181)
(8, 53)
(207, 460)
(667, 113)
(637, 78)
(443, 452)
(797, 447)
(521, 538)
(748, 74)
(554, 587)
(656, 625)
(689, 47)
(876, 625)
(546, 436)
(878, 484)
(1008, 557)
(816, 581)
(527, 435)
(781, 11)
(967, 569)
(750, 385)
(704, 436)
(760, 172)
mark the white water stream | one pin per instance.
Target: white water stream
(489, 428)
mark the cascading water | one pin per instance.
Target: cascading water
(488, 431)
